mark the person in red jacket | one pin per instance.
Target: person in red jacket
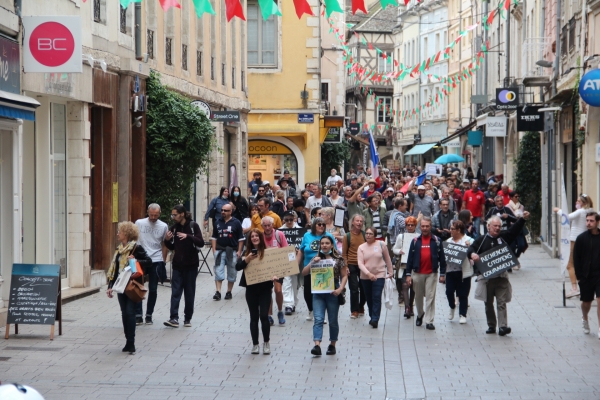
(474, 201)
(505, 193)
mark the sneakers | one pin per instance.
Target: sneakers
(187, 324)
(217, 296)
(354, 315)
(139, 321)
(586, 326)
(288, 311)
(280, 318)
(172, 323)
(330, 350)
(361, 311)
(573, 293)
(266, 348)
(316, 351)
(309, 317)
(271, 322)
(451, 314)
(255, 349)
(463, 319)
(228, 296)
(491, 331)
(149, 320)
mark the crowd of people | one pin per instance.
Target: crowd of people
(367, 248)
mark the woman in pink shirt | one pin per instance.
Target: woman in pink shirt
(375, 266)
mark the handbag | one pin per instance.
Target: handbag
(213, 211)
(135, 291)
(139, 272)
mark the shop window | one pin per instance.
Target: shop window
(262, 38)
(59, 175)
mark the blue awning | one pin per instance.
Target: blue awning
(419, 149)
(17, 106)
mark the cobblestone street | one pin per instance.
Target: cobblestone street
(546, 357)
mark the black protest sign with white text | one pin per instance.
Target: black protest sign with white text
(294, 236)
(495, 261)
(455, 254)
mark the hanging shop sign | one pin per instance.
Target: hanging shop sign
(354, 128)
(507, 98)
(334, 135)
(474, 138)
(529, 119)
(52, 44)
(205, 108)
(10, 66)
(226, 116)
(495, 126)
(589, 88)
(265, 147)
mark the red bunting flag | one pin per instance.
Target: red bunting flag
(358, 5)
(302, 7)
(166, 4)
(233, 9)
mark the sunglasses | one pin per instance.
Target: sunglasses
(410, 224)
(320, 224)
(288, 220)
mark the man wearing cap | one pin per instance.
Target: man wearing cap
(290, 181)
(421, 203)
(333, 178)
(287, 190)
(253, 185)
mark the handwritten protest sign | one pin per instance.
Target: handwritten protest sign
(277, 262)
(495, 261)
(322, 279)
(455, 254)
(294, 236)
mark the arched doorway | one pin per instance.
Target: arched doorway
(272, 156)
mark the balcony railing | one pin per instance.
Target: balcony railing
(533, 51)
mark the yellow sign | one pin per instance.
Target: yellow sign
(279, 262)
(265, 147)
(115, 202)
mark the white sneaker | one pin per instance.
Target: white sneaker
(463, 319)
(324, 321)
(586, 326)
(266, 348)
(451, 314)
(573, 293)
(255, 349)
(309, 317)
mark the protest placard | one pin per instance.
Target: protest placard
(322, 279)
(277, 262)
(406, 239)
(495, 261)
(294, 236)
(455, 254)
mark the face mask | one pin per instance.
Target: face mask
(325, 254)
(236, 194)
(224, 197)
(578, 206)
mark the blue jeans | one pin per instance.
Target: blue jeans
(128, 316)
(373, 291)
(183, 281)
(322, 302)
(476, 224)
(221, 261)
(152, 290)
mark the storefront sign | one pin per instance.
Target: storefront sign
(417, 138)
(264, 147)
(566, 124)
(334, 135)
(205, 108)
(495, 126)
(507, 99)
(306, 118)
(452, 143)
(10, 66)
(52, 44)
(495, 261)
(60, 84)
(589, 88)
(226, 116)
(354, 128)
(530, 119)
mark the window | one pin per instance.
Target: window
(262, 38)
(168, 46)
(383, 110)
(212, 68)
(384, 62)
(572, 34)
(243, 81)
(233, 77)
(199, 63)
(223, 74)
(97, 11)
(150, 44)
(425, 47)
(325, 91)
(123, 20)
(437, 42)
(184, 57)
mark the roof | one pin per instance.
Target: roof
(377, 20)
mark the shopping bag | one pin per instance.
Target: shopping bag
(122, 280)
(388, 293)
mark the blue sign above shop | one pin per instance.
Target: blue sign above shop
(589, 88)
(306, 118)
(10, 66)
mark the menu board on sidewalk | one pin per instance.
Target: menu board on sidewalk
(33, 294)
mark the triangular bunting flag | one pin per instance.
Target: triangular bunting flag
(233, 8)
(268, 8)
(385, 3)
(166, 4)
(331, 6)
(203, 6)
(125, 3)
(358, 5)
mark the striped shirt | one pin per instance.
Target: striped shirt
(377, 224)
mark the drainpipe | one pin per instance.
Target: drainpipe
(138, 30)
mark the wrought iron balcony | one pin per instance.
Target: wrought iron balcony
(533, 51)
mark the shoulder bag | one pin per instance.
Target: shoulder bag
(134, 290)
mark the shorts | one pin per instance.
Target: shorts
(588, 288)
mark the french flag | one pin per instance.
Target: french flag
(374, 158)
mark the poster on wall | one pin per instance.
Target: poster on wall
(258, 163)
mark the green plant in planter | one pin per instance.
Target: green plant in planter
(528, 180)
(179, 142)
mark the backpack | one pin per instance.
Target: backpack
(392, 222)
(348, 241)
(194, 243)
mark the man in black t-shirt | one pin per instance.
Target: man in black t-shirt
(227, 242)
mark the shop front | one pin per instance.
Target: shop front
(271, 159)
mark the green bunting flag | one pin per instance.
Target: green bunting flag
(331, 6)
(125, 3)
(202, 6)
(268, 8)
(385, 3)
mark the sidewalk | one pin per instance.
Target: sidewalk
(546, 357)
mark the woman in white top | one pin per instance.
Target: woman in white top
(455, 283)
(247, 222)
(408, 294)
(583, 205)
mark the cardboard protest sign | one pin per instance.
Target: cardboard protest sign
(406, 239)
(277, 262)
(455, 254)
(322, 278)
(495, 261)
(294, 236)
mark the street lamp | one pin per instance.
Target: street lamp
(544, 63)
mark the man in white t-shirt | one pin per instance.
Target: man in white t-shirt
(152, 234)
(317, 200)
(333, 179)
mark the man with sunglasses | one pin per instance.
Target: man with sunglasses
(227, 242)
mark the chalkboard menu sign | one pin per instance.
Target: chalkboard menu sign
(33, 294)
(294, 236)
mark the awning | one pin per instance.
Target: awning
(419, 149)
(564, 96)
(17, 106)
(459, 132)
